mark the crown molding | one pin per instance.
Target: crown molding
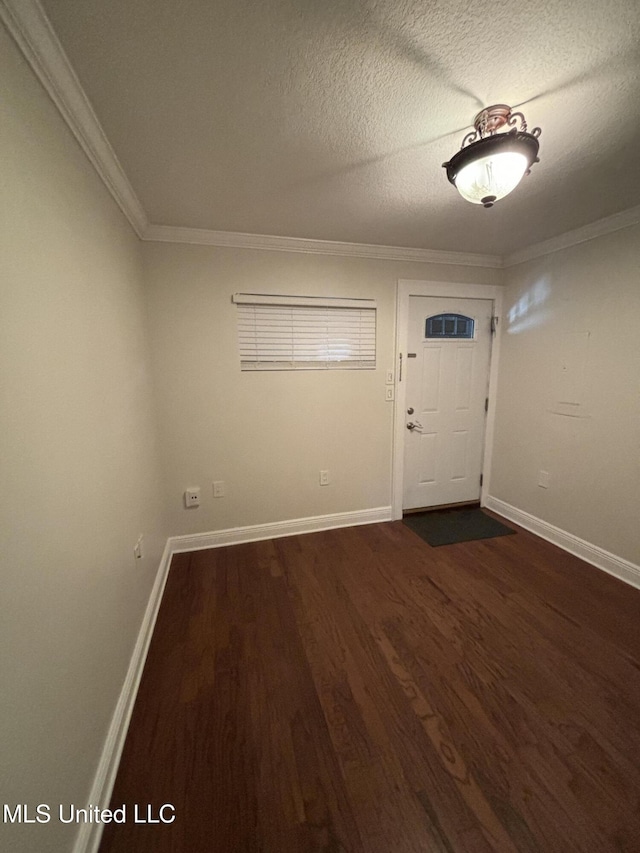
(608, 225)
(236, 240)
(29, 26)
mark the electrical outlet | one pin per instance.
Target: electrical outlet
(388, 393)
(543, 479)
(192, 497)
(218, 489)
(138, 548)
(324, 478)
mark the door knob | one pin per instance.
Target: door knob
(411, 425)
(409, 411)
(417, 425)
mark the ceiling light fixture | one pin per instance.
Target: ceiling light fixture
(490, 164)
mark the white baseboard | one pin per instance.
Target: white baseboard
(620, 568)
(88, 838)
(89, 835)
(278, 529)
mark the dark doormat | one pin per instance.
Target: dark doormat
(445, 527)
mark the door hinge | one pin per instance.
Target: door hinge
(494, 323)
(486, 404)
(481, 478)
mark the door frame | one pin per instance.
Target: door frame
(453, 290)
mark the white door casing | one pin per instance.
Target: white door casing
(447, 385)
(450, 290)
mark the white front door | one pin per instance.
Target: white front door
(447, 374)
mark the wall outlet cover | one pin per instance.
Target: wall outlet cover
(192, 497)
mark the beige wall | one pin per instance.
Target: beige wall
(268, 434)
(81, 476)
(78, 468)
(573, 332)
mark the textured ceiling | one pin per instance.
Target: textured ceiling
(331, 120)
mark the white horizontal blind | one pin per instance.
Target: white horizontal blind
(308, 333)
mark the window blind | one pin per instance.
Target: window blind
(305, 333)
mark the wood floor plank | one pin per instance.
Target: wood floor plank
(359, 691)
(376, 763)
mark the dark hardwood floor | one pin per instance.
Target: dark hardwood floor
(358, 690)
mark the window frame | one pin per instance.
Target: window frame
(444, 337)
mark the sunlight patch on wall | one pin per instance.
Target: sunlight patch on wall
(527, 312)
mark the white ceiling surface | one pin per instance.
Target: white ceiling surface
(331, 120)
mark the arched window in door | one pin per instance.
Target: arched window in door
(449, 326)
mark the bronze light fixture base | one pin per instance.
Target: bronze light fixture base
(491, 119)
